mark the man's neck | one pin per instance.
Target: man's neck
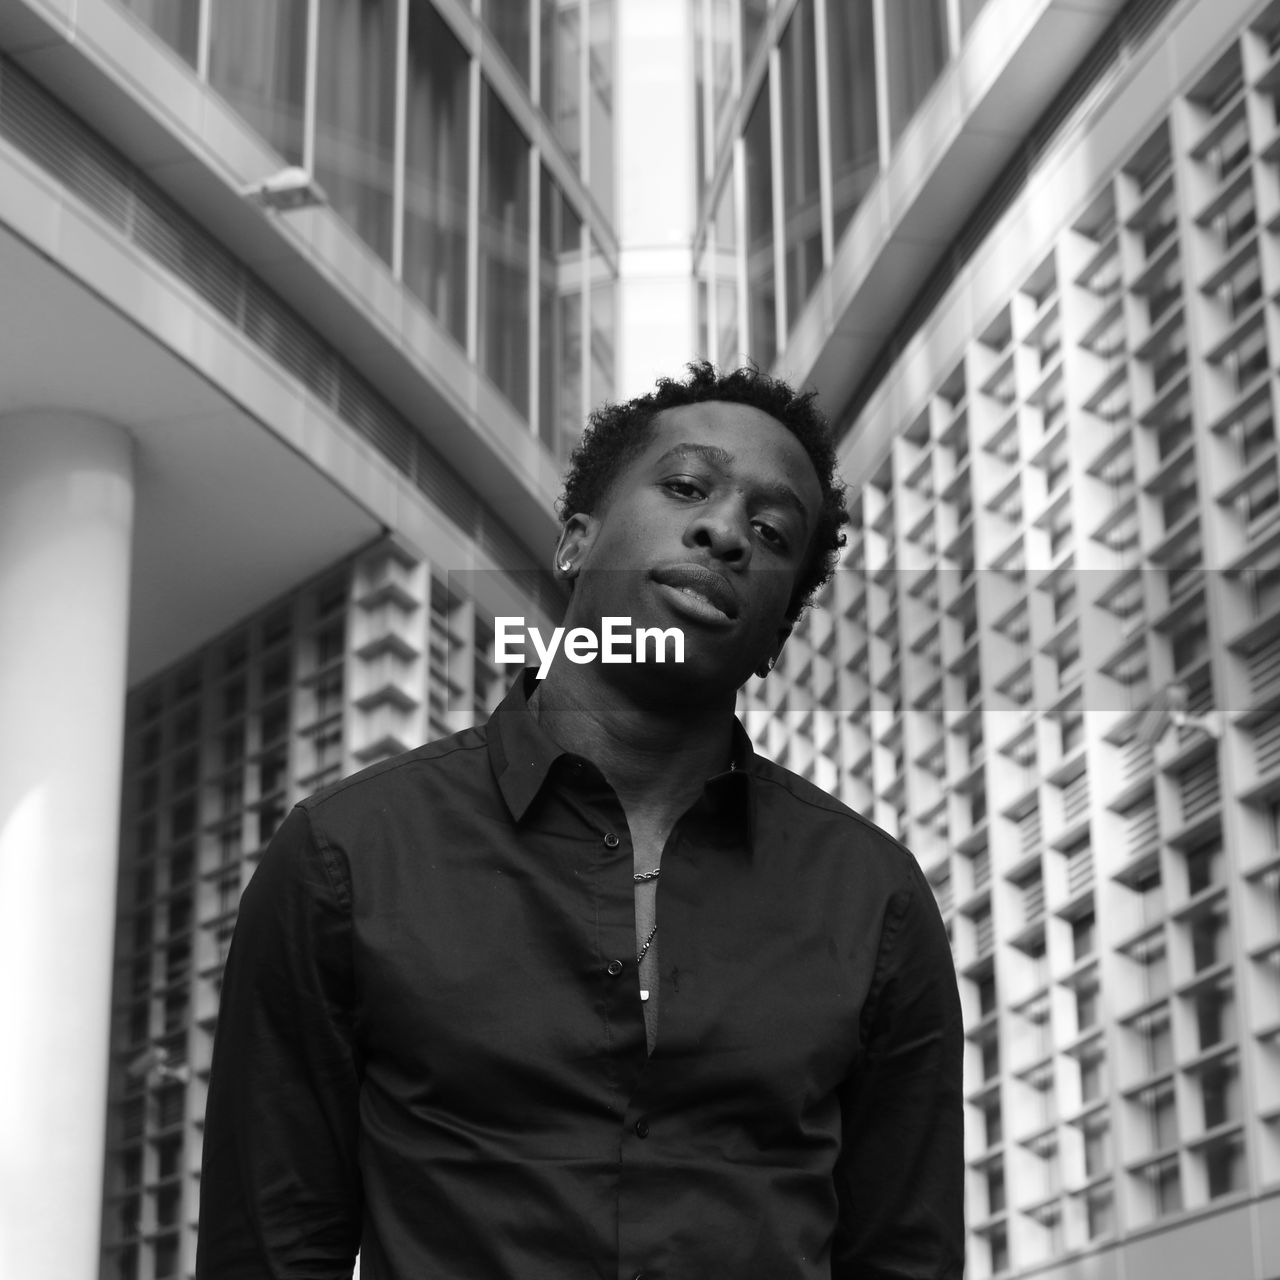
(656, 757)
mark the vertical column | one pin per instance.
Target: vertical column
(66, 519)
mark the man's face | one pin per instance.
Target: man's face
(706, 530)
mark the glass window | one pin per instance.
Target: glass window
(559, 298)
(1082, 935)
(258, 62)
(603, 327)
(355, 114)
(572, 328)
(435, 179)
(802, 208)
(755, 13)
(726, 276)
(508, 20)
(916, 38)
(1100, 1210)
(1215, 1016)
(1220, 1092)
(761, 285)
(176, 22)
(1097, 1146)
(600, 81)
(1162, 1117)
(700, 150)
(561, 56)
(721, 60)
(851, 77)
(504, 251)
(1225, 1167)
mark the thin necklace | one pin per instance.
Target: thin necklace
(647, 943)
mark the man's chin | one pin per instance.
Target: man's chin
(703, 679)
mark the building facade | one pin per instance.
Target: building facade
(268, 469)
(1027, 254)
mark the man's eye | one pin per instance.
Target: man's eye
(685, 488)
(774, 537)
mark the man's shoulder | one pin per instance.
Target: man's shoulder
(806, 805)
(444, 761)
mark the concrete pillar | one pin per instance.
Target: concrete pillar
(66, 520)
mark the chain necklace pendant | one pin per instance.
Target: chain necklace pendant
(644, 995)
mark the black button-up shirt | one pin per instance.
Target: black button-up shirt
(431, 1043)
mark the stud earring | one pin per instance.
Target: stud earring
(566, 565)
(765, 667)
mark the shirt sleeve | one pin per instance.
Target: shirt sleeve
(900, 1173)
(280, 1190)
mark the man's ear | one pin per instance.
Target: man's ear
(576, 537)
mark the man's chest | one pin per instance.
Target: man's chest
(497, 990)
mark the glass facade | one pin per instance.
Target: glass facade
(355, 114)
(761, 274)
(510, 23)
(445, 202)
(916, 52)
(437, 122)
(257, 61)
(505, 251)
(821, 88)
(802, 209)
(852, 110)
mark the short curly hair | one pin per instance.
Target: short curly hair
(617, 433)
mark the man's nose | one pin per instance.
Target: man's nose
(724, 531)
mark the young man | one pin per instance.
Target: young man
(592, 990)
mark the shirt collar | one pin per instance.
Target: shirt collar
(520, 751)
(522, 755)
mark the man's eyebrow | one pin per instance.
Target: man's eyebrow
(707, 452)
(774, 491)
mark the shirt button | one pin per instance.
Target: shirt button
(611, 841)
(615, 968)
(642, 1128)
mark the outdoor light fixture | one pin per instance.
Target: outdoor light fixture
(286, 190)
(1168, 710)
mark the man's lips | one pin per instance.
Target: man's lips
(705, 584)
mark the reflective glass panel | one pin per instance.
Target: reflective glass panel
(721, 60)
(726, 276)
(600, 81)
(258, 62)
(754, 15)
(699, 99)
(508, 20)
(603, 327)
(176, 22)
(435, 178)
(801, 205)
(572, 327)
(851, 79)
(761, 284)
(916, 39)
(561, 55)
(559, 317)
(504, 251)
(355, 113)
